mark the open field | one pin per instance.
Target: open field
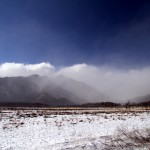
(66, 128)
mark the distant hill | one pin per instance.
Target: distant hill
(140, 99)
(41, 90)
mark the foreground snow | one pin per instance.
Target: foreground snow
(19, 131)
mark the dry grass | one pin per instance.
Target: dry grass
(129, 140)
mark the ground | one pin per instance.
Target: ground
(73, 129)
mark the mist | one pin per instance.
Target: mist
(118, 84)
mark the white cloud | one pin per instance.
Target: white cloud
(18, 69)
(119, 84)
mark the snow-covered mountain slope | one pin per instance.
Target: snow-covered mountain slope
(42, 89)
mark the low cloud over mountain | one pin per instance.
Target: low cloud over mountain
(112, 84)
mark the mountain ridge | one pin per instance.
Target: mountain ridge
(45, 90)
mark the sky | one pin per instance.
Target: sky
(103, 43)
(69, 32)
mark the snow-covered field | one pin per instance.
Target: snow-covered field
(43, 130)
